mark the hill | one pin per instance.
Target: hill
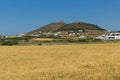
(89, 29)
(78, 26)
(49, 28)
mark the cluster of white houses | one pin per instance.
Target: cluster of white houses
(60, 34)
(107, 36)
(79, 34)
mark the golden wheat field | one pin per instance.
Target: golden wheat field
(61, 62)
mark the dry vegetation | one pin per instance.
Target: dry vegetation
(61, 62)
(44, 39)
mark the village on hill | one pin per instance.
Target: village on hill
(72, 32)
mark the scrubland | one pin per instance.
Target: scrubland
(61, 62)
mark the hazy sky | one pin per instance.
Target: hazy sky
(20, 16)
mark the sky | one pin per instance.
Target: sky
(21, 16)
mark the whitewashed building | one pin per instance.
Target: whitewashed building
(101, 37)
(112, 36)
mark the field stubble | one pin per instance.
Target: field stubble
(60, 62)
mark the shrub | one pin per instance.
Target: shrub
(9, 42)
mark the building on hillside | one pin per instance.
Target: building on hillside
(82, 37)
(71, 33)
(57, 34)
(101, 37)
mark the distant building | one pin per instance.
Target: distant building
(101, 37)
(82, 37)
(110, 36)
(21, 35)
(71, 33)
(1, 36)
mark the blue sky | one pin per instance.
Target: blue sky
(20, 16)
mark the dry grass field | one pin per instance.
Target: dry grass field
(61, 62)
(44, 39)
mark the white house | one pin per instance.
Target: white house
(112, 36)
(101, 37)
(20, 35)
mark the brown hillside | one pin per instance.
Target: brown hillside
(78, 26)
(50, 27)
